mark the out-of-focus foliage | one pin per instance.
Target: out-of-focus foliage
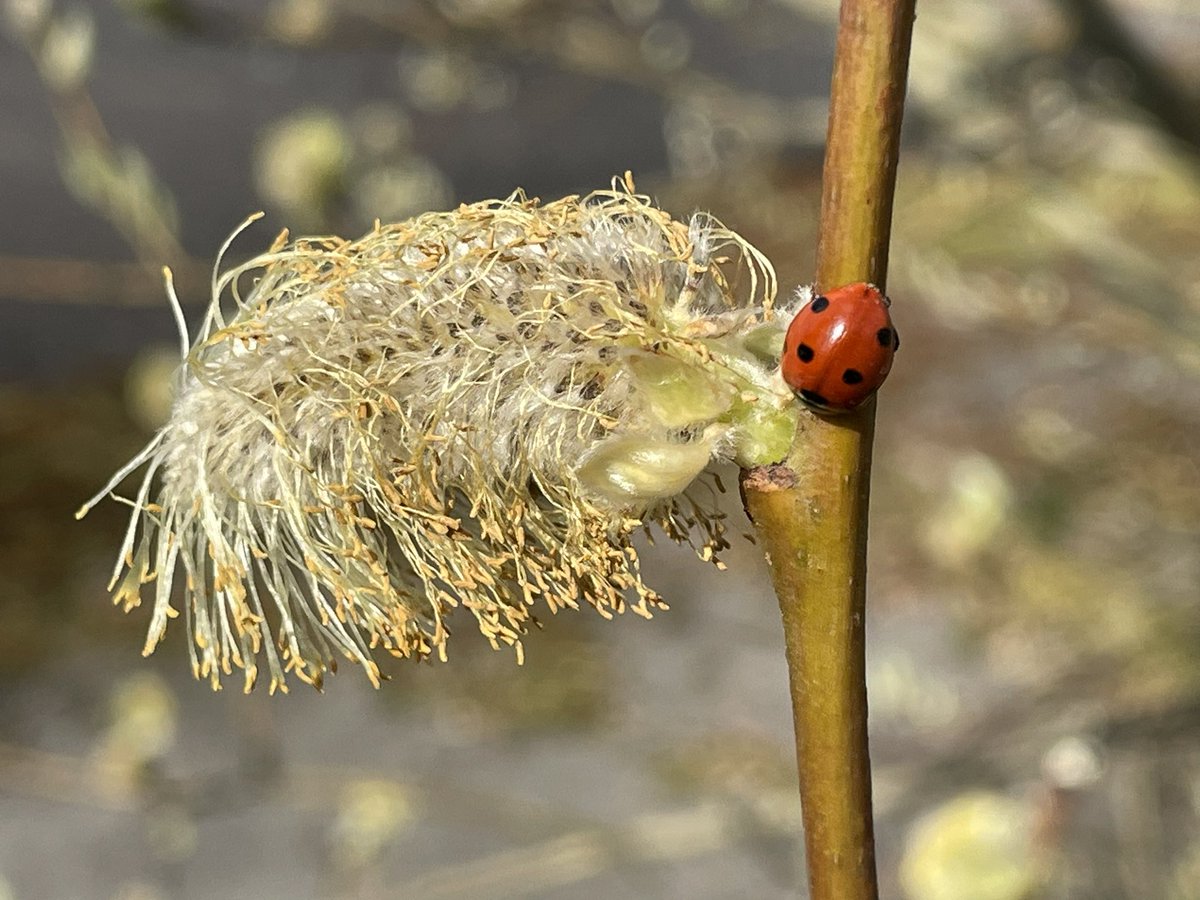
(371, 814)
(317, 169)
(301, 166)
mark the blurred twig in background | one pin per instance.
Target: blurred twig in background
(1104, 32)
(86, 281)
(115, 180)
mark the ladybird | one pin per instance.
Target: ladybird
(839, 347)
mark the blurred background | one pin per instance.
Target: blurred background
(1035, 555)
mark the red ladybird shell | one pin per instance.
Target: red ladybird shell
(839, 347)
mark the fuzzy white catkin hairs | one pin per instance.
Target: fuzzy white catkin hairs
(473, 408)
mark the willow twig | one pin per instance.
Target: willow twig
(811, 510)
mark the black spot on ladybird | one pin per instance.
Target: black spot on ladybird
(805, 353)
(852, 376)
(813, 397)
(884, 336)
(819, 304)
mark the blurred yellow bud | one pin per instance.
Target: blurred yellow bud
(978, 845)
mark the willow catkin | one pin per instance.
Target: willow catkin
(473, 408)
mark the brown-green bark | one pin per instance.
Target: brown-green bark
(811, 511)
